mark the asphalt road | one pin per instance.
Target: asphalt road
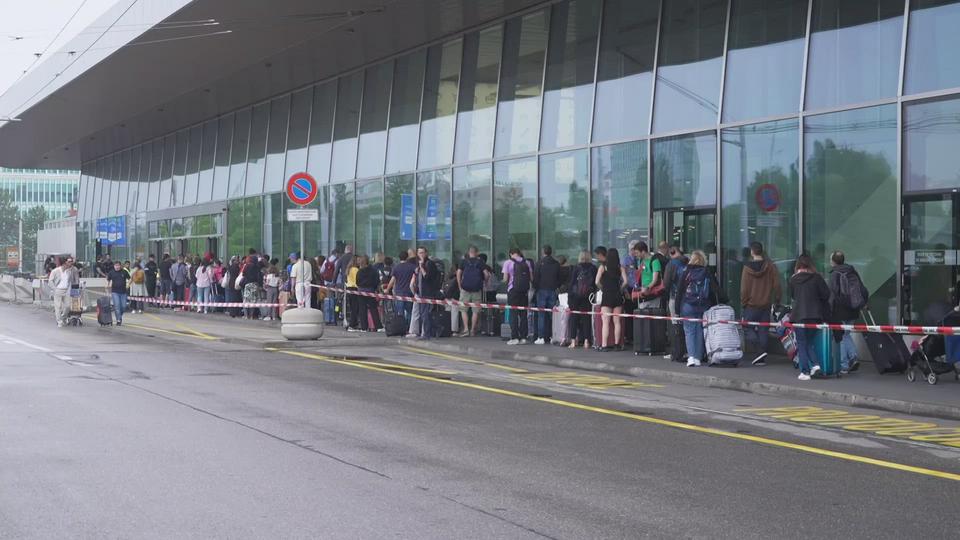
(135, 432)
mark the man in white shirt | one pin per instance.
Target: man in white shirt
(302, 274)
(61, 279)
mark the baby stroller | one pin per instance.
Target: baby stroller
(77, 306)
(930, 359)
(781, 314)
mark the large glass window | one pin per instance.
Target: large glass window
(764, 58)
(192, 176)
(341, 215)
(253, 224)
(400, 213)
(931, 137)
(235, 240)
(405, 112)
(272, 242)
(628, 45)
(373, 120)
(207, 155)
(479, 77)
(121, 161)
(349, 93)
(761, 198)
(472, 208)
(850, 196)
(238, 157)
(166, 173)
(564, 202)
(274, 179)
(932, 45)
(854, 51)
(434, 213)
(299, 129)
(156, 168)
(685, 171)
(221, 172)
(437, 128)
(619, 199)
(136, 172)
(179, 169)
(691, 59)
(370, 216)
(568, 92)
(321, 131)
(515, 207)
(521, 83)
(258, 149)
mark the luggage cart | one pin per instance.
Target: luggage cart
(77, 306)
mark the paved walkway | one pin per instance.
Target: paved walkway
(865, 388)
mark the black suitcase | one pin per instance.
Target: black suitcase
(678, 343)
(394, 324)
(490, 322)
(889, 352)
(104, 311)
(649, 335)
(441, 322)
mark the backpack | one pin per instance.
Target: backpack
(583, 286)
(326, 273)
(698, 291)
(521, 276)
(138, 276)
(852, 292)
(471, 280)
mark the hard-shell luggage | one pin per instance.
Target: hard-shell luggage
(889, 352)
(650, 335)
(394, 323)
(678, 343)
(440, 318)
(104, 311)
(724, 342)
(490, 322)
(561, 327)
(828, 353)
(506, 333)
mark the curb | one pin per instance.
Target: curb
(946, 412)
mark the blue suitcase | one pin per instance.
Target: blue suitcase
(828, 353)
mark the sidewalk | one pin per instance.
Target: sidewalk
(865, 388)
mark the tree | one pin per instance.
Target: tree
(9, 216)
(33, 221)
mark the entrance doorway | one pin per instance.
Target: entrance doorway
(930, 257)
(688, 228)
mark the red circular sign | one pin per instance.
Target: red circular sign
(768, 197)
(302, 189)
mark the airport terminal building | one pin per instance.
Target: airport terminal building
(805, 124)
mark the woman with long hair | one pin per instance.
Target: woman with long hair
(204, 279)
(581, 286)
(810, 295)
(353, 300)
(611, 278)
(368, 281)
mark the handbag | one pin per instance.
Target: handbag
(239, 285)
(225, 280)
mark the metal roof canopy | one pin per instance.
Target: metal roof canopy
(181, 70)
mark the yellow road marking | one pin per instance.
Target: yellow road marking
(467, 360)
(878, 425)
(153, 329)
(401, 366)
(647, 419)
(584, 380)
(181, 327)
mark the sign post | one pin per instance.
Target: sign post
(302, 190)
(302, 323)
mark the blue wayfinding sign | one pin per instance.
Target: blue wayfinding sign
(407, 216)
(112, 231)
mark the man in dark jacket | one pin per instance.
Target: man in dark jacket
(427, 282)
(759, 289)
(166, 284)
(546, 281)
(842, 312)
(150, 275)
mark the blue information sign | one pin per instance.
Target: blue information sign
(112, 231)
(407, 216)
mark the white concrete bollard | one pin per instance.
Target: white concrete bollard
(299, 324)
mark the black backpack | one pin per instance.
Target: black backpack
(521, 276)
(852, 291)
(583, 286)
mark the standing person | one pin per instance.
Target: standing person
(150, 271)
(847, 297)
(427, 279)
(204, 278)
(582, 285)
(611, 280)
(138, 288)
(342, 265)
(518, 273)
(301, 273)
(697, 292)
(117, 280)
(232, 291)
(471, 275)
(810, 300)
(368, 281)
(252, 278)
(166, 284)
(565, 273)
(62, 279)
(600, 254)
(271, 286)
(193, 263)
(399, 285)
(178, 277)
(759, 289)
(546, 280)
(328, 278)
(650, 270)
(672, 276)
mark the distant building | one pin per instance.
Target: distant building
(53, 189)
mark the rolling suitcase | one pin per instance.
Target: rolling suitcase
(104, 311)
(440, 318)
(889, 352)
(394, 323)
(560, 334)
(678, 343)
(649, 335)
(490, 322)
(828, 353)
(724, 342)
(506, 333)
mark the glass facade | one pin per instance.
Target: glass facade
(705, 123)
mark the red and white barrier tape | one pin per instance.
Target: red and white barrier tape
(163, 302)
(880, 328)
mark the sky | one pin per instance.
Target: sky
(30, 26)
